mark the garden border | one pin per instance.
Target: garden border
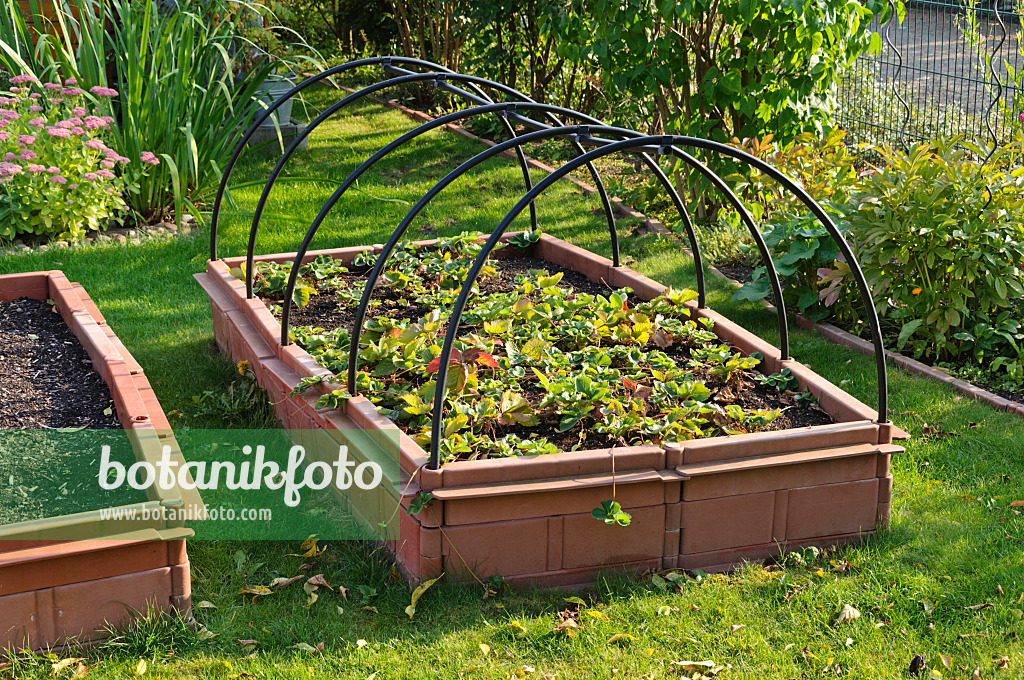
(57, 590)
(826, 330)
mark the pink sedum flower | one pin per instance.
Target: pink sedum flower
(53, 87)
(66, 124)
(57, 179)
(9, 115)
(97, 145)
(77, 131)
(10, 157)
(71, 81)
(26, 140)
(27, 155)
(72, 186)
(108, 164)
(101, 91)
(90, 177)
(149, 157)
(72, 92)
(105, 174)
(35, 108)
(37, 122)
(79, 111)
(35, 167)
(9, 169)
(53, 170)
(4, 135)
(60, 133)
(21, 80)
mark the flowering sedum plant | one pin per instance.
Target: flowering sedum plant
(58, 178)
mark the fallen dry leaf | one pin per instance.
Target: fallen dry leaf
(847, 614)
(735, 627)
(976, 607)
(281, 582)
(319, 580)
(1002, 662)
(59, 666)
(976, 675)
(568, 626)
(248, 643)
(694, 665)
(946, 661)
(417, 594)
(142, 667)
(1016, 504)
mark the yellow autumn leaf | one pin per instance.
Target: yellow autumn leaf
(142, 667)
(64, 663)
(418, 593)
(600, 616)
(621, 638)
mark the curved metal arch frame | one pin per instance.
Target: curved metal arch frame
(667, 146)
(384, 62)
(397, 234)
(457, 115)
(400, 230)
(405, 80)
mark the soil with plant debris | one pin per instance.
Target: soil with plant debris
(57, 412)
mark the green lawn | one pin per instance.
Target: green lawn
(954, 541)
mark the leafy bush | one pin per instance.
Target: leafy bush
(57, 176)
(728, 69)
(939, 237)
(801, 246)
(176, 66)
(942, 251)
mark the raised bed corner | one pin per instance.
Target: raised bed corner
(709, 504)
(70, 579)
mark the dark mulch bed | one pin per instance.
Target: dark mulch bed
(323, 312)
(58, 413)
(46, 377)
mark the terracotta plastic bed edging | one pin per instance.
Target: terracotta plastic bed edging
(828, 331)
(67, 580)
(709, 504)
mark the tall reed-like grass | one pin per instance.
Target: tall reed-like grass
(175, 65)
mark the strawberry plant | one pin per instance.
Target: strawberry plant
(547, 361)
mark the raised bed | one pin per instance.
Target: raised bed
(70, 578)
(709, 504)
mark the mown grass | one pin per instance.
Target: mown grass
(946, 549)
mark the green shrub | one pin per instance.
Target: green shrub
(941, 249)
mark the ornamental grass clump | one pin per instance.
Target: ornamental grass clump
(58, 177)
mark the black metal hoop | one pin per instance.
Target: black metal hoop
(387, 63)
(438, 122)
(405, 80)
(667, 144)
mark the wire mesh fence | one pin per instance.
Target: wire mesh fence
(946, 68)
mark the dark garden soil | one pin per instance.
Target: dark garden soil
(324, 311)
(56, 412)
